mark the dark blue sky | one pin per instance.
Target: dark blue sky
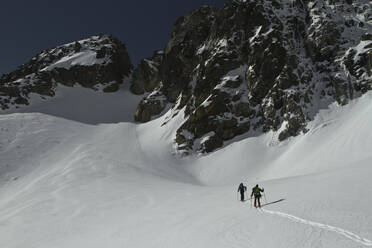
(29, 26)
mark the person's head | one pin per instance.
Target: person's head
(256, 185)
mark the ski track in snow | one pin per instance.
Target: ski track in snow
(337, 230)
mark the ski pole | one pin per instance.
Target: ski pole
(265, 197)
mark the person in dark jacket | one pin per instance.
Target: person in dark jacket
(256, 192)
(242, 189)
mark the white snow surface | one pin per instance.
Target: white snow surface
(85, 58)
(65, 183)
(84, 104)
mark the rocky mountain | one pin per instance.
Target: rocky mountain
(253, 66)
(99, 62)
(256, 66)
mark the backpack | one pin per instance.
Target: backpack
(256, 191)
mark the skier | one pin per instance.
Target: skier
(256, 192)
(242, 189)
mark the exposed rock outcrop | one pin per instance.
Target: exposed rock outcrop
(99, 62)
(256, 66)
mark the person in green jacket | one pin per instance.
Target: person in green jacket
(256, 192)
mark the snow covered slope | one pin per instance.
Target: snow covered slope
(69, 184)
(84, 105)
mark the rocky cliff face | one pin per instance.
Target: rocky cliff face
(256, 66)
(99, 62)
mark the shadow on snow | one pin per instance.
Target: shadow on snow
(269, 203)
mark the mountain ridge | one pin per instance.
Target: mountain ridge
(247, 68)
(93, 62)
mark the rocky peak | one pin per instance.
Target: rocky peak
(99, 62)
(251, 67)
(256, 66)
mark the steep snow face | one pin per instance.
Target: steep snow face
(83, 52)
(82, 58)
(333, 132)
(67, 184)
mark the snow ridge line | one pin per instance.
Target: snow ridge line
(337, 230)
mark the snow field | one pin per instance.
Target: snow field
(68, 184)
(84, 105)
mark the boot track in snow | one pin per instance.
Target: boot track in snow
(340, 231)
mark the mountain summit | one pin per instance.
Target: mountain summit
(99, 62)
